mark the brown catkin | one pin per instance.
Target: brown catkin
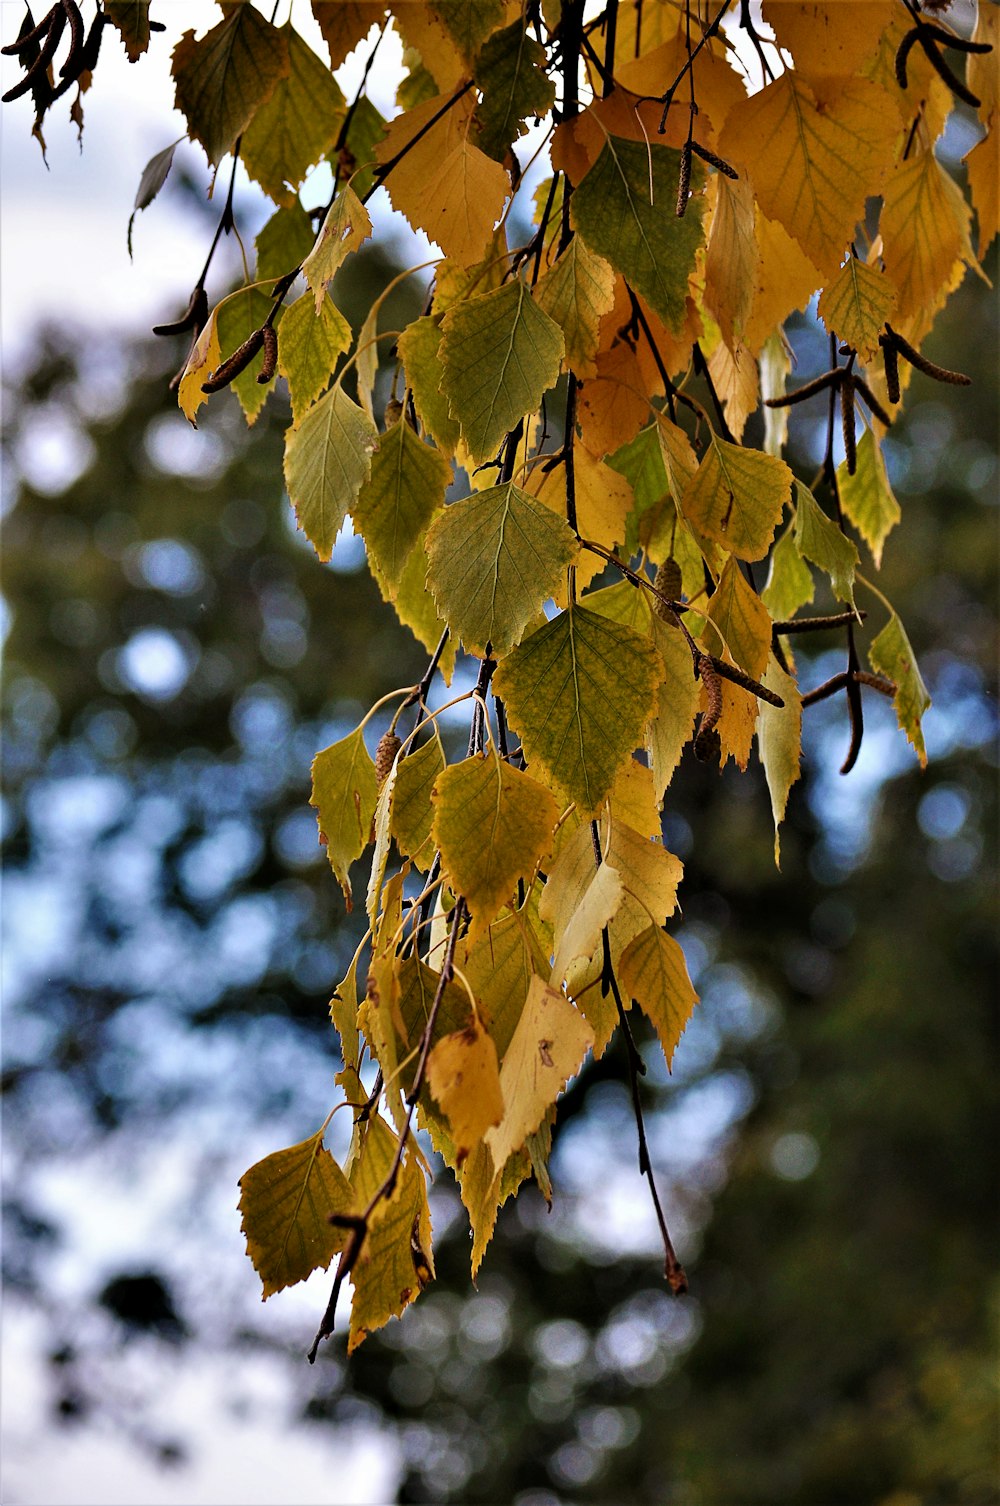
(706, 744)
(269, 365)
(890, 359)
(684, 181)
(847, 414)
(668, 582)
(385, 755)
(234, 364)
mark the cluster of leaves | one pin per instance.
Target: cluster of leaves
(518, 897)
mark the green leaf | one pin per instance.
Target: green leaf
(779, 734)
(345, 228)
(154, 175)
(493, 559)
(286, 1201)
(789, 581)
(412, 811)
(653, 972)
(890, 653)
(856, 304)
(737, 497)
(344, 794)
(492, 824)
(284, 242)
(641, 463)
(419, 349)
(867, 498)
(327, 458)
(580, 692)
(510, 72)
(406, 487)
(344, 1015)
(415, 608)
(386, 1277)
(500, 966)
(224, 77)
(367, 127)
(297, 126)
(237, 318)
(500, 354)
(821, 541)
(576, 293)
(309, 347)
(624, 209)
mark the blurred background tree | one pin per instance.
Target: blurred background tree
(175, 657)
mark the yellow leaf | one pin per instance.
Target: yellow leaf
(345, 228)
(579, 899)
(395, 1261)
(732, 256)
(345, 23)
(653, 972)
(603, 501)
(828, 40)
(742, 620)
(856, 305)
(463, 1075)
(737, 497)
(983, 164)
(981, 72)
(499, 966)
(421, 30)
(734, 375)
(786, 280)
(925, 231)
(812, 168)
(547, 1049)
(286, 1200)
(492, 824)
(779, 732)
(344, 794)
(450, 189)
(204, 358)
(576, 293)
(224, 77)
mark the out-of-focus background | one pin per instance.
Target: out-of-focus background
(175, 656)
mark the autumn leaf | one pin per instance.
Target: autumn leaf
(463, 1075)
(890, 653)
(500, 354)
(286, 1201)
(344, 794)
(223, 78)
(856, 305)
(346, 227)
(493, 559)
(309, 347)
(779, 732)
(327, 458)
(510, 71)
(736, 497)
(580, 692)
(576, 292)
(412, 811)
(820, 540)
(296, 126)
(387, 1277)
(867, 498)
(654, 973)
(404, 489)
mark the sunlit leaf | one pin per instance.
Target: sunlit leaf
(653, 972)
(820, 540)
(867, 498)
(295, 127)
(405, 488)
(344, 793)
(395, 1261)
(463, 1075)
(308, 348)
(737, 497)
(346, 227)
(327, 458)
(779, 732)
(891, 654)
(856, 305)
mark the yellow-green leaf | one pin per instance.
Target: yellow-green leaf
(204, 358)
(499, 966)
(732, 257)
(510, 73)
(284, 242)
(297, 125)
(492, 824)
(856, 305)
(577, 292)
(789, 581)
(406, 487)
(395, 1261)
(779, 734)
(464, 1077)
(547, 1049)
(579, 693)
(419, 347)
(412, 811)
(624, 210)
(736, 497)
(415, 608)
(500, 353)
(286, 1201)
(925, 231)
(820, 540)
(493, 559)
(224, 77)
(327, 458)
(237, 317)
(345, 228)
(867, 498)
(891, 654)
(653, 972)
(344, 794)
(308, 348)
